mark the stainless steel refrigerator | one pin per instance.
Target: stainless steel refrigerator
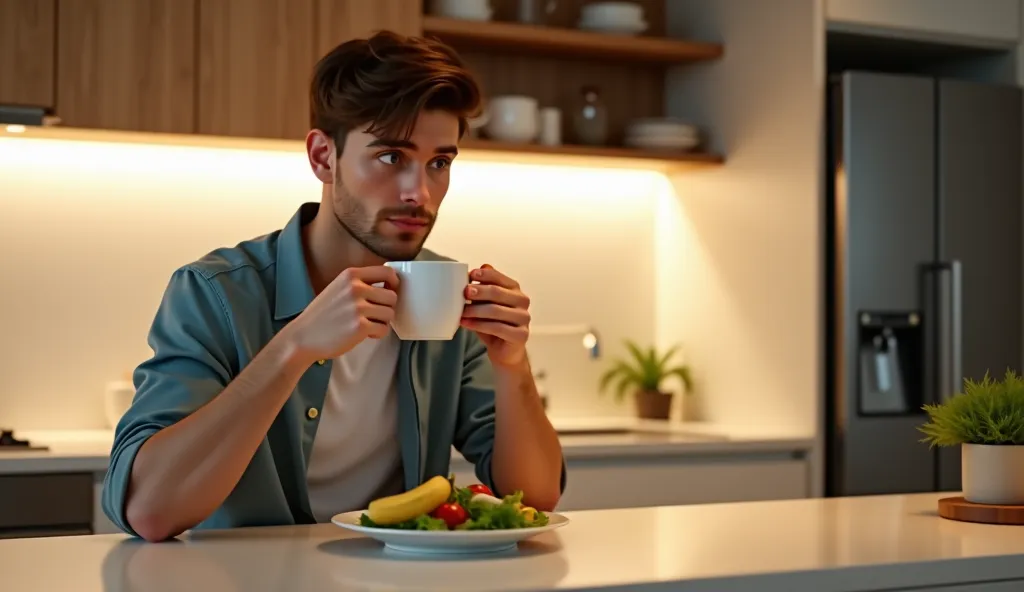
(923, 267)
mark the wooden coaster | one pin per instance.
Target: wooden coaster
(957, 508)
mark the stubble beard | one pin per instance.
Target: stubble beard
(352, 215)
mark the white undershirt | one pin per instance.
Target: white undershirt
(356, 456)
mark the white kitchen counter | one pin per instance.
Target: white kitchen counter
(89, 450)
(820, 545)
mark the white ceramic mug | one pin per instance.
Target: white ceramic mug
(431, 298)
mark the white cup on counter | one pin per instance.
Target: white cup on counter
(117, 398)
(513, 118)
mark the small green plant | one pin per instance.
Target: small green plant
(987, 412)
(645, 370)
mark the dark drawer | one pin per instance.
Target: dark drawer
(47, 500)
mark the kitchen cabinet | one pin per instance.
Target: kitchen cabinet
(255, 61)
(341, 20)
(256, 57)
(675, 479)
(26, 52)
(997, 24)
(46, 504)
(126, 64)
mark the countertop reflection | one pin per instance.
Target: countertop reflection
(856, 543)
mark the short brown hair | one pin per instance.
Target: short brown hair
(385, 81)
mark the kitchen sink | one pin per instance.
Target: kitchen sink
(594, 431)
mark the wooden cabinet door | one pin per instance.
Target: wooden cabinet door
(255, 62)
(127, 64)
(26, 52)
(342, 20)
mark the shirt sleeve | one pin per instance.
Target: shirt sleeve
(474, 434)
(193, 354)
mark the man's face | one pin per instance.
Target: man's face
(387, 192)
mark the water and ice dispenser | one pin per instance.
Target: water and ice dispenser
(890, 363)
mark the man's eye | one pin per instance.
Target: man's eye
(441, 164)
(389, 158)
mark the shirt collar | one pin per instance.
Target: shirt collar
(293, 291)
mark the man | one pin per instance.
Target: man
(277, 392)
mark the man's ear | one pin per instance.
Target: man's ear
(322, 155)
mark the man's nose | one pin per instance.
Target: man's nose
(415, 190)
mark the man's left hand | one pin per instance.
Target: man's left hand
(499, 314)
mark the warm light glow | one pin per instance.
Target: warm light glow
(15, 128)
(116, 217)
(577, 192)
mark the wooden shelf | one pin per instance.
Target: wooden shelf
(589, 155)
(564, 42)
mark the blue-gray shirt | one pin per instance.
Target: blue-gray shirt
(217, 314)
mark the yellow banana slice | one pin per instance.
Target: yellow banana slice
(406, 506)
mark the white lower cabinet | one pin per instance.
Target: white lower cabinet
(665, 480)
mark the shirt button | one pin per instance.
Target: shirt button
(321, 362)
(312, 413)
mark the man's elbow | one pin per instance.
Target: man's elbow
(149, 524)
(545, 501)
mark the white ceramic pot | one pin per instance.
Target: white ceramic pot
(512, 118)
(993, 474)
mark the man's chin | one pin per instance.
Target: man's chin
(400, 251)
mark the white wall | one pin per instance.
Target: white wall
(91, 231)
(740, 249)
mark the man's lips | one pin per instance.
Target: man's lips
(409, 223)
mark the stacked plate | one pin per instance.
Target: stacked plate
(470, 10)
(623, 18)
(661, 134)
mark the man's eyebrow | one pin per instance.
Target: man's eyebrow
(386, 143)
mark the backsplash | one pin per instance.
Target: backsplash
(91, 232)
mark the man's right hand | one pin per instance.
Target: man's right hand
(347, 311)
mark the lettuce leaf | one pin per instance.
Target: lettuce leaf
(421, 522)
(485, 516)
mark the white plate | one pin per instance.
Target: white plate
(447, 542)
(612, 27)
(662, 143)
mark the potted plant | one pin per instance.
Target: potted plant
(987, 422)
(642, 375)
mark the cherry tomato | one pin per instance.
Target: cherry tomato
(480, 488)
(453, 514)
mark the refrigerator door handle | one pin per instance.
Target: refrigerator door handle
(949, 312)
(956, 330)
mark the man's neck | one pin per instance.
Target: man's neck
(329, 249)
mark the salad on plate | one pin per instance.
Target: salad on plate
(440, 505)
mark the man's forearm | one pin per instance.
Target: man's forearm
(186, 471)
(527, 454)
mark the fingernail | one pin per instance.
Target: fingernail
(473, 291)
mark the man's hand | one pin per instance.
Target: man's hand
(349, 310)
(499, 314)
